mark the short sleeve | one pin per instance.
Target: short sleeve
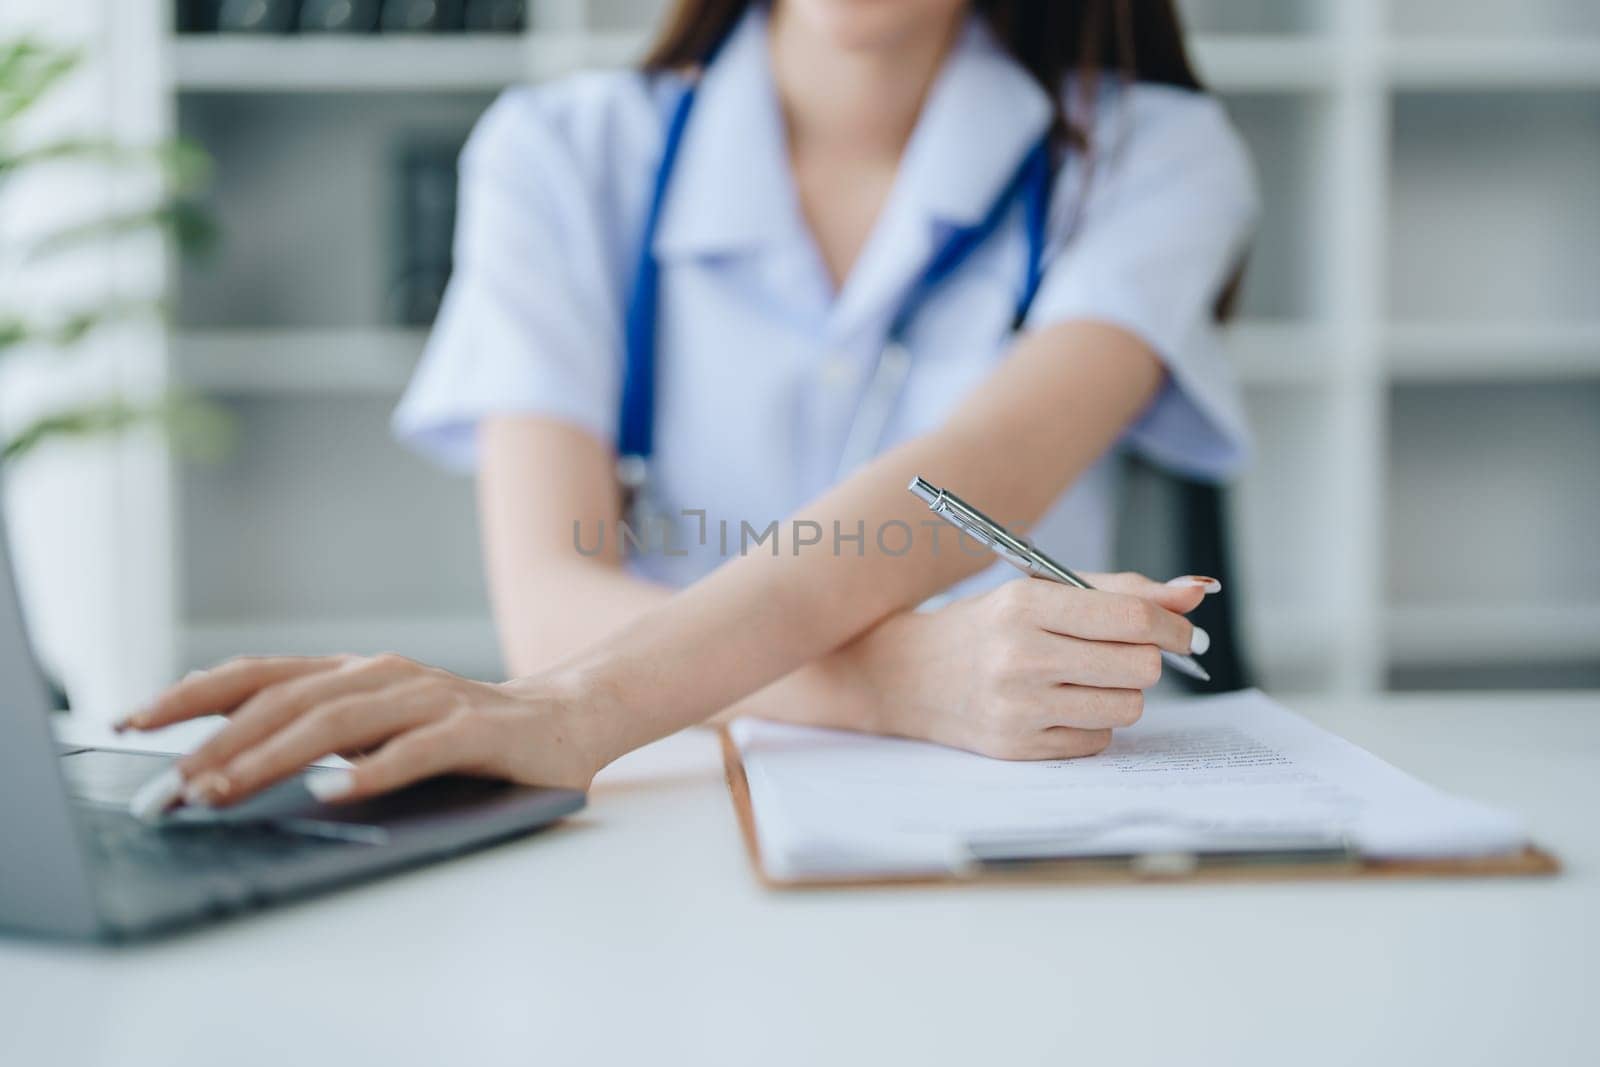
(530, 322)
(1169, 212)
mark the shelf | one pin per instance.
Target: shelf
(378, 361)
(1254, 18)
(1488, 220)
(1289, 137)
(371, 362)
(1493, 19)
(1490, 497)
(1478, 19)
(1493, 64)
(1532, 351)
(460, 643)
(1480, 634)
(1267, 353)
(551, 54)
(220, 63)
(297, 64)
(1263, 62)
(316, 513)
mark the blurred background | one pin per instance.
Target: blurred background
(1419, 331)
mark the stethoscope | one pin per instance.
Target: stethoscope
(1030, 184)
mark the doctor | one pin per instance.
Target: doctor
(707, 321)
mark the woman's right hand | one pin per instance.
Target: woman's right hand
(1032, 669)
(401, 721)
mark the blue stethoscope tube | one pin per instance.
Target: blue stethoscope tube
(1030, 185)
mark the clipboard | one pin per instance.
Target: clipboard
(1260, 867)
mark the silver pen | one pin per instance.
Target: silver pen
(1019, 553)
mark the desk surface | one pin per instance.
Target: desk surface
(636, 935)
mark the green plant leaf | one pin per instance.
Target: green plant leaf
(184, 165)
(71, 329)
(28, 70)
(191, 227)
(198, 429)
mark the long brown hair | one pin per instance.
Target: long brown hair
(1139, 40)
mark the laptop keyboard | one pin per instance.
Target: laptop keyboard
(150, 877)
(117, 840)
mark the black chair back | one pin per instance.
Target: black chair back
(1169, 526)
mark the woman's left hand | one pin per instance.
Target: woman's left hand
(413, 722)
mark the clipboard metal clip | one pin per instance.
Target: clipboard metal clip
(1220, 850)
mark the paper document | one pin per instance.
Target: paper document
(1217, 772)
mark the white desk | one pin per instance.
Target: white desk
(636, 935)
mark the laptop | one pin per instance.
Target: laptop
(74, 863)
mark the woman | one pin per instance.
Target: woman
(870, 239)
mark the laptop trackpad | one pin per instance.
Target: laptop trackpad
(110, 778)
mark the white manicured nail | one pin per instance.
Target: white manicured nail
(1199, 642)
(156, 795)
(205, 790)
(1197, 581)
(330, 785)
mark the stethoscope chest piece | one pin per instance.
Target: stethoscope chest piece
(633, 478)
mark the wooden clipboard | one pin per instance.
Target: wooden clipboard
(1529, 862)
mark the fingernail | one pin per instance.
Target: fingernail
(1199, 581)
(207, 789)
(330, 785)
(156, 795)
(132, 721)
(1199, 642)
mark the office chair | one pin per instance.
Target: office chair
(1170, 525)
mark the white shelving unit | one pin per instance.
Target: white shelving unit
(1493, 64)
(1420, 336)
(361, 361)
(1496, 351)
(450, 63)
